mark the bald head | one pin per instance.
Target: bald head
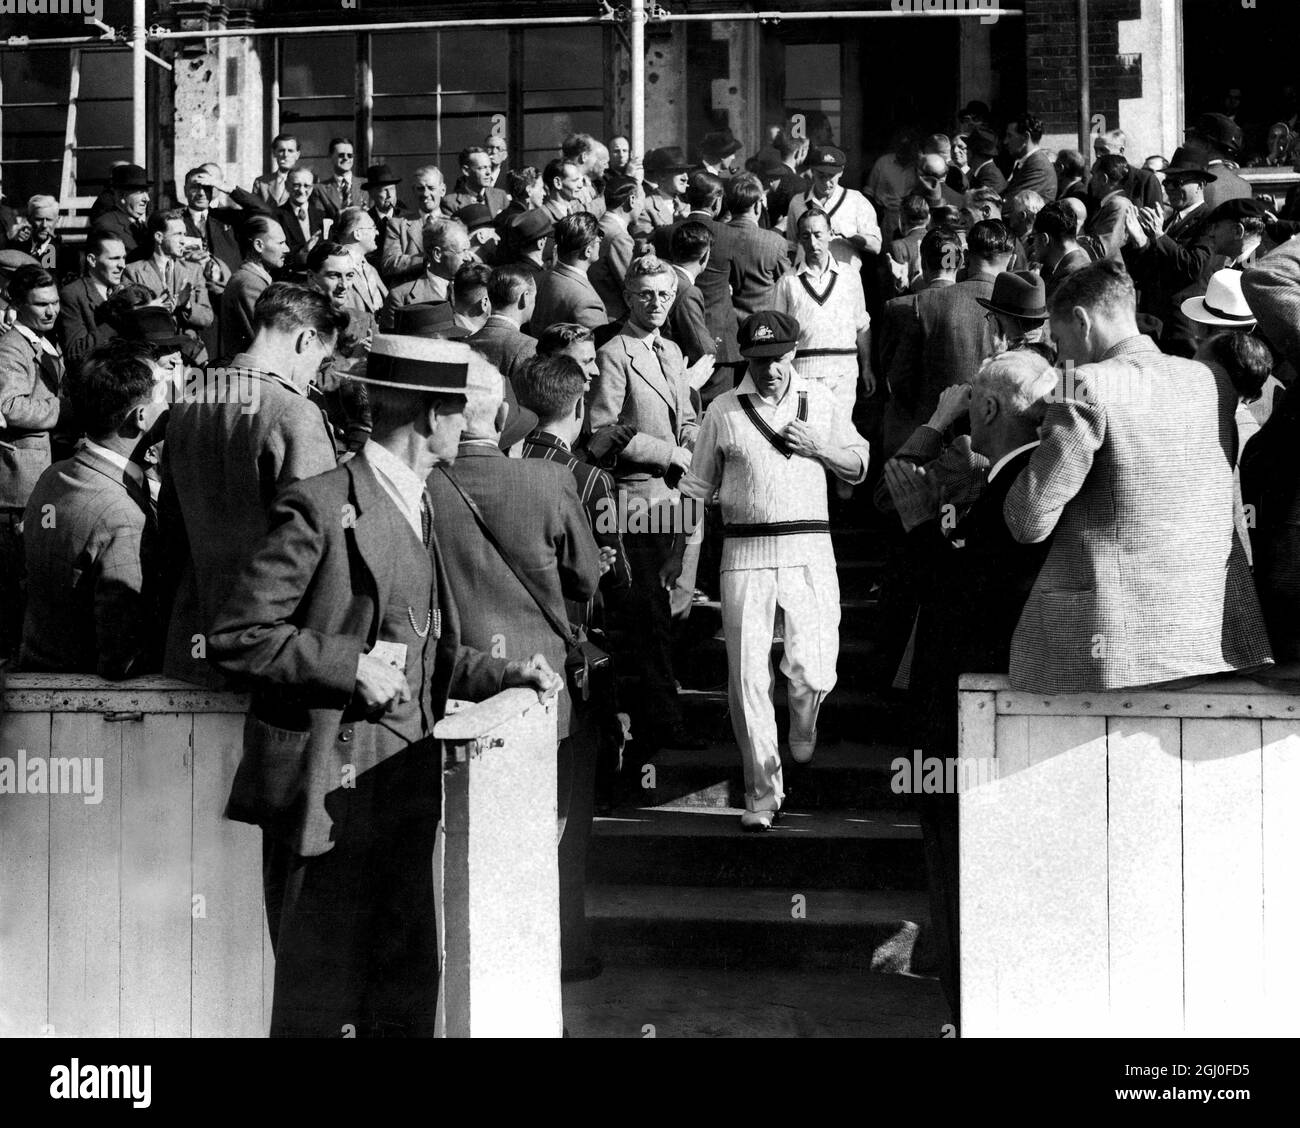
(932, 165)
(1078, 207)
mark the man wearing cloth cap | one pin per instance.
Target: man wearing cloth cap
(825, 299)
(349, 631)
(852, 218)
(764, 448)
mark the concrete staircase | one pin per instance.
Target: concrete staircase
(838, 883)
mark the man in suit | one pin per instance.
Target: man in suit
(1071, 178)
(643, 385)
(1032, 169)
(624, 203)
(972, 583)
(357, 231)
(331, 271)
(173, 280)
(562, 181)
(45, 245)
(1108, 225)
(948, 337)
(565, 293)
(349, 632)
(1054, 245)
(704, 198)
(665, 173)
(92, 591)
(686, 326)
(341, 190)
(533, 510)
(301, 218)
(126, 219)
(31, 381)
(756, 258)
(552, 388)
(1146, 581)
(502, 340)
(218, 226)
(265, 249)
(385, 208)
(1221, 140)
(79, 328)
(524, 241)
(273, 188)
(1142, 186)
(227, 454)
(905, 251)
(401, 239)
(446, 247)
(982, 146)
(1166, 258)
(476, 188)
(592, 158)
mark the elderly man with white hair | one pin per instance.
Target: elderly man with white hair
(44, 244)
(973, 579)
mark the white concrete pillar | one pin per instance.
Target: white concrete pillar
(1154, 122)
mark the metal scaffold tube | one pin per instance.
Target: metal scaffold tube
(637, 51)
(139, 43)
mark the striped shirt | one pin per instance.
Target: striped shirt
(831, 311)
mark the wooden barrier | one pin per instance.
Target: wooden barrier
(1130, 861)
(138, 911)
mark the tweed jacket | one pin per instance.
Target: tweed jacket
(401, 249)
(502, 342)
(944, 344)
(415, 292)
(310, 600)
(92, 592)
(609, 272)
(1272, 288)
(265, 188)
(224, 461)
(566, 294)
(497, 199)
(533, 509)
(1146, 580)
(756, 260)
(30, 382)
(661, 210)
(78, 330)
(145, 273)
(1226, 185)
(368, 290)
(237, 302)
(1107, 225)
(654, 399)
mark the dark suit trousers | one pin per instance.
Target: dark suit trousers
(355, 930)
(645, 616)
(939, 834)
(576, 800)
(13, 589)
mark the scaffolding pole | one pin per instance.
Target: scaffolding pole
(636, 20)
(139, 105)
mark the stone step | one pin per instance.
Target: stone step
(805, 850)
(847, 774)
(703, 926)
(850, 712)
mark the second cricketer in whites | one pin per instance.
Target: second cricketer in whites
(764, 448)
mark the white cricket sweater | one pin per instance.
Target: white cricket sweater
(774, 508)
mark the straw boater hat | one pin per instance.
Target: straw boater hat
(1223, 305)
(418, 364)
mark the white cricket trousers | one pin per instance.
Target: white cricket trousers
(809, 597)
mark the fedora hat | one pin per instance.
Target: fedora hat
(670, 158)
(1223, 304)
(530, 226)
(475, 216)
(153, 325)
(379, 175)
(1019, 293)
(1219, 130)
(428, 319)
(417, 364)
(129, 176)
(1188, 164)
(982, 142)
(718, 146)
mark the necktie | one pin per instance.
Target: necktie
(426, 520)
(345, 191)
(302, 215)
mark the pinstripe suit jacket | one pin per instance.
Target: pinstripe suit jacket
(1146, 580)
(92, 591)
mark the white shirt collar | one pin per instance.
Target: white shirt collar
(1001, 462)
(400, 482)
(748, 387)
(132, 469)
(42, 343)
(832, 266)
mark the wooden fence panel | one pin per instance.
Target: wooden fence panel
(85, 884)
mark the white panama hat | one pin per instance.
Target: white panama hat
(1223, 304)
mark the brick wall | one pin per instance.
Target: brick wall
(1052, 50)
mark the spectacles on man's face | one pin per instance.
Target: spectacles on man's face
(655, 297)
